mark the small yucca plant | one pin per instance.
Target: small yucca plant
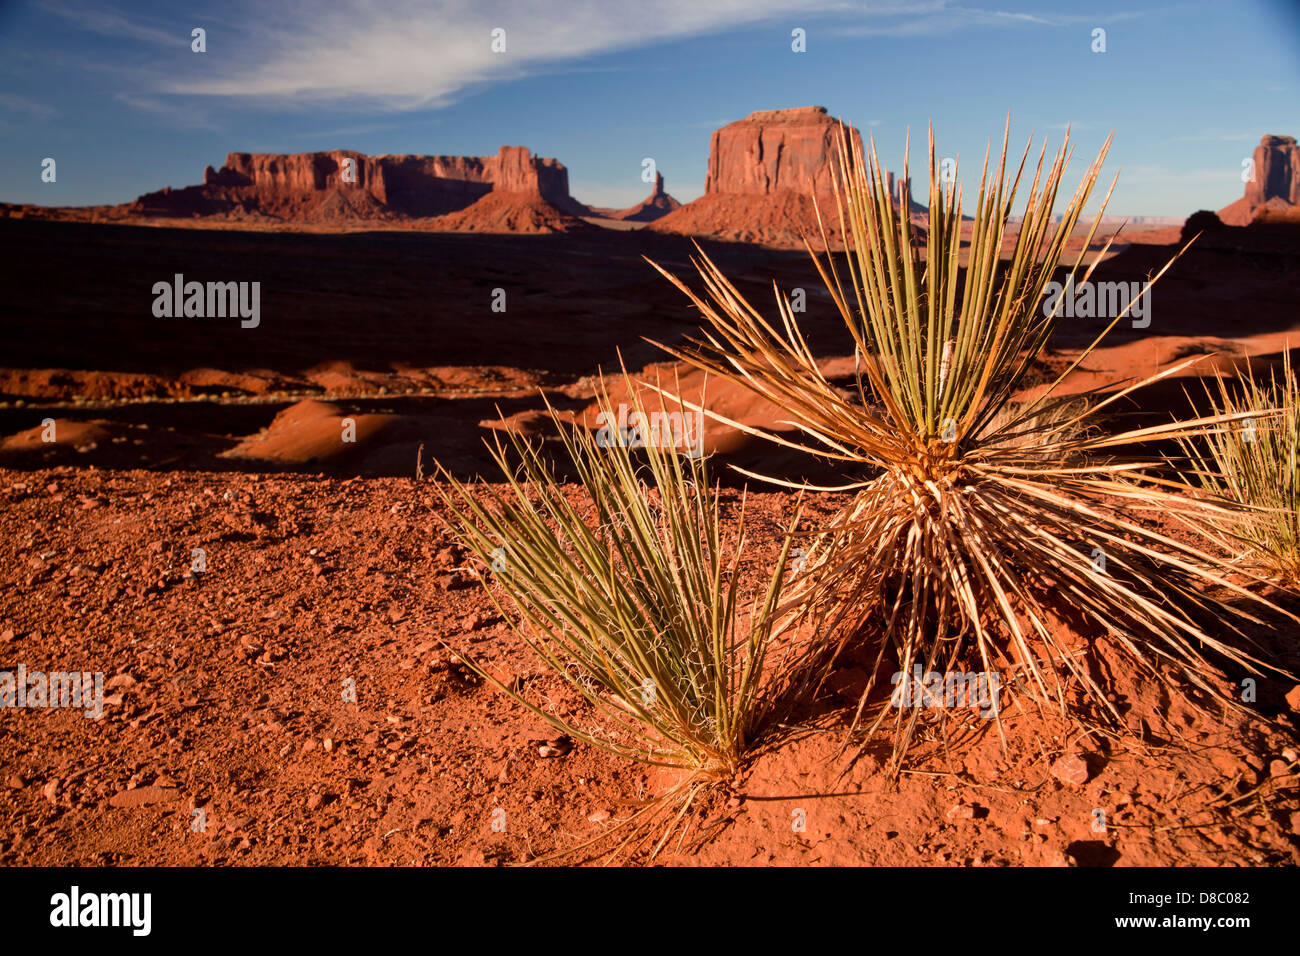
(978, 507)
(1256, 461)
(631, 591)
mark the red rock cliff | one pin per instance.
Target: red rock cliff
(1277, 171)
(312, 186)
(772, 150)
(763, 172)
(1275, 191)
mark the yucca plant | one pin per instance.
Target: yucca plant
(630, 589)
(1256, 462)
(979, 504)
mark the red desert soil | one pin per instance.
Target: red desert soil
(226, 696)
(226, 687)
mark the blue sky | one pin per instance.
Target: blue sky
(114, 93)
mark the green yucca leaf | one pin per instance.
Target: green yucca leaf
(976, 513)
(631, 591)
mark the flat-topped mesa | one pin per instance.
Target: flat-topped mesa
(345, 184)
(771, 150)
(1273, 191)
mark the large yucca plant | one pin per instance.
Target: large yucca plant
(630, 589)
(979, 509)
(1256, 461)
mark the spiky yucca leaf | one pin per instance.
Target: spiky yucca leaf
(974, 521)
(1257, 462)
(633, 595)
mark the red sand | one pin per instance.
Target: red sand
(225, 695)
(225, 687)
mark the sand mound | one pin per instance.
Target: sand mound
(731, 445)
(1276, 210)
(311, 431)
(311, 435)
(779, 219)
(65, 432)
(1236, 213)
(500, 212)
(341, 207)
(776, 219)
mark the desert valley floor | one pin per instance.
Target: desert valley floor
(327, 563)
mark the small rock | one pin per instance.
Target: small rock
(1293, 698)
(1278, 768)
(1071, 769)
(1290, 755)
(328, 744)
(15, 781)
(600, 816)
(961, 811)
(142, 797)
(555, 747)
(122, 680)
(314, 801)
(51, 790)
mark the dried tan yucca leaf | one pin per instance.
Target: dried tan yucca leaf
(974, 520)
(1255, 462)
(631, 592)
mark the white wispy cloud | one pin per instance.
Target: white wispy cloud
(413, 54)
(23, 104)
(404, 54)
(109, 22)
(177, 114)
(944, 16)
(1220, 135)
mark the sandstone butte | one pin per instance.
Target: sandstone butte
(763, 171)
(1274, 192)
(512, 191)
